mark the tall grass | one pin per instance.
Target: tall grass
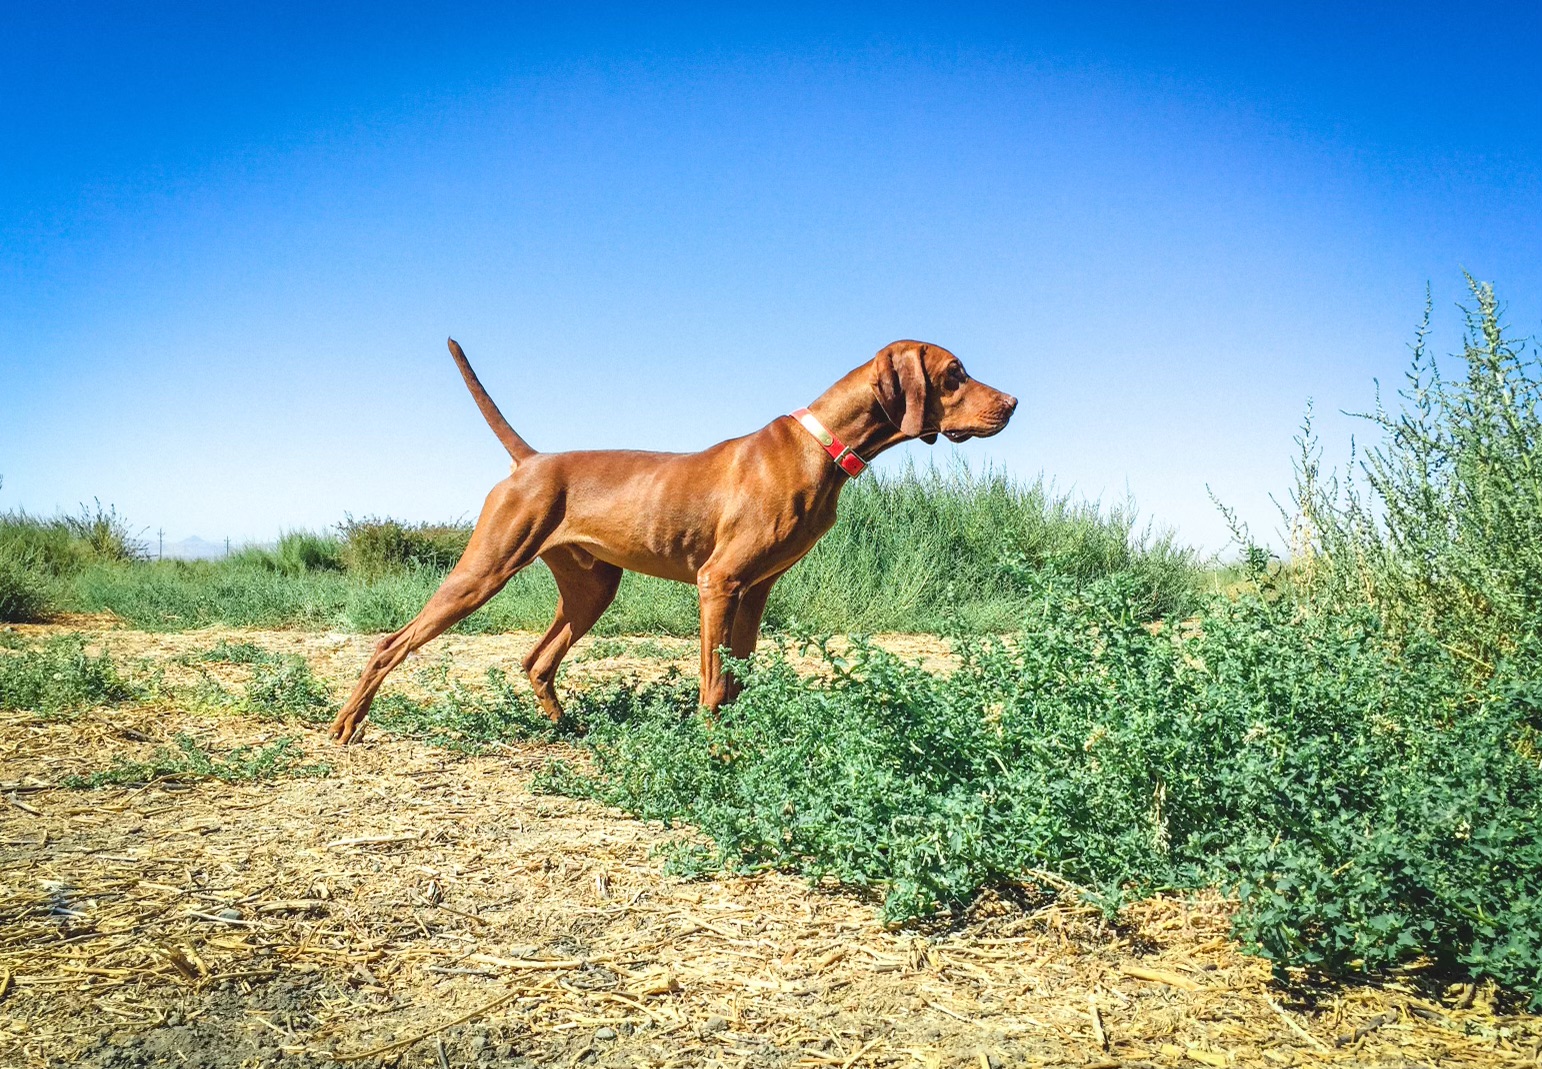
(919, 550)
(298, 553)
(36, 553)
(1440, 526)
(930, 550)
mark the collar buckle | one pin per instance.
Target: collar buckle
(839, 451)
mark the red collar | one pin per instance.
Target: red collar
(839, 451)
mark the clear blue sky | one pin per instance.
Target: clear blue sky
(234, 238)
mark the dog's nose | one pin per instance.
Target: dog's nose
(1011, 403)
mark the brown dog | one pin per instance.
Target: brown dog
(730, 519)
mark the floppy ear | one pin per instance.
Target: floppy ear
(900, 384)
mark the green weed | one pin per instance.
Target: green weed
(1440, 526)
(42, 546)
(105, 533)
(373, 547)
(59, 676)
(225, 652)
(958, 551)
(190, 761)
(601, 649)
(284, 688)
(35, 553)
(1348, 741)
(297, 553)
(281, 686)
(463, 718)
(62, 544)
(24, 593)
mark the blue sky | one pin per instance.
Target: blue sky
(233, 239)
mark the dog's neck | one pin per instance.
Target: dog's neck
(851, 411)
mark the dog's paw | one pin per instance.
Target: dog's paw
(346, 730)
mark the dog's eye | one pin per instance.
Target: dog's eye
(956, 376)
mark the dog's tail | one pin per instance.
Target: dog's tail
(518, 448)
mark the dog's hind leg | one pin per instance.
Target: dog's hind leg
(507, 537)
(585, 589)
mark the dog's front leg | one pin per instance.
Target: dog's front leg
(721, 598)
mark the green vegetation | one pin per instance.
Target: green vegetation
(282, 686)
(373, 547)
(915, 551)
(59, 676)
(190, 761)
(960, 552)
(36, 553)
(23, 593)
(224, 652)
(296, 554)
(1441, 527)
(1363, 800)
(600, 649)
(465, 718)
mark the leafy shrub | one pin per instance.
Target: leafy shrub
(63, 544)
(373, 547)
(24, 594)
(105, 533)
(44, 547)
(190, 761)
(60, 676)
(35, 552)
(463, 718)
(284, 688)
(1366, 803)
(1440, 527)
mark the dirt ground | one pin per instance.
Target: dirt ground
(423, 907)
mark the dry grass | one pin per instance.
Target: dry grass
(425, 907)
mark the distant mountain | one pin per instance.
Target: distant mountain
(195, 548)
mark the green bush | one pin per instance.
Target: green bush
(284, 688)
(43, 547)
(1365, 802)
(373, 547)
(105, 534)
(224, 652)
(297, 553)
(465, 718)
(35, 553)
(24, 594)
(59, 676)
(1440, 526)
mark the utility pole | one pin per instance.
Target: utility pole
(160, 543)
(227, 547)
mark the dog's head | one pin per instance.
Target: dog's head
(925, 391)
